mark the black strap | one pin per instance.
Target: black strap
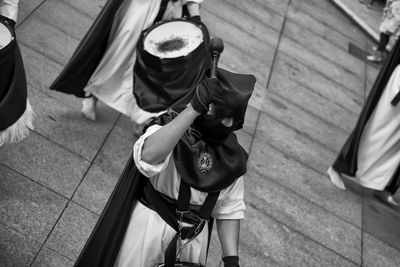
(396, 99)
(163, 7)
(182, 207)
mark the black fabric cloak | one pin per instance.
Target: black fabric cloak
(346, 161)
(88, 54)
(103, 245)
(13, 88)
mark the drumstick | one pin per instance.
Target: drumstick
(216, 47)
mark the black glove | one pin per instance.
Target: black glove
(196, 19)
(231, 261)
(208, 91)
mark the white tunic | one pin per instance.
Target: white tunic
(112, 81)
(9, 9)
(148, 235)
(379, 150)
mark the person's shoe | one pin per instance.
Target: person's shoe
(376, 57)
(89, 108)
(386, 198)
(335, 178)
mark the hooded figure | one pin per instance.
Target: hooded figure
(371, 154)
(102, 66)
(178, 180)
(16, 113)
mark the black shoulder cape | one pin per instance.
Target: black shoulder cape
(224, 163)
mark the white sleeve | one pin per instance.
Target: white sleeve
(9, 9)
(184, 2)
(145, 168)
(230, 204)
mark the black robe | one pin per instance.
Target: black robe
(346, 161)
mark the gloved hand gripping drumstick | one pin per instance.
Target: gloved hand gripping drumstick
(209, 91)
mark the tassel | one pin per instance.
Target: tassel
(20, 129)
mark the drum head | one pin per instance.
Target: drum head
(173, 39)
(5, 36)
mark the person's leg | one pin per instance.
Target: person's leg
(378, 54)
(392, 188)
(336, 178)
(89, 107)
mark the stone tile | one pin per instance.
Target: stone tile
(250, 16)
(323, 66)
(331, 16)
(28, 207)
(372, 73)
(325, 134)
(95, 189)
(118, 146)
(377, 253)
(15, 248)
(278, 245)
(41, 71)
(46, 39)
(279, 6)
(250, 120)
(244, 139)
(304, 18)
(312, 185)
(90, 8)
(68, 127)
(45, 162)
(50, 258)
(257, 98)
(71, 232)
(65, 18)
(242, 39)
(288, 72)
(312, 102)
(234, 60)
(320, 46)
(304, 216)
(247, 256)
(294, 144)
(25, 9)
(381, 221)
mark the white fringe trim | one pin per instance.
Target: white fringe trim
(20, 129)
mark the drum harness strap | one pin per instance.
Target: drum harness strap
(176, 215)
(163, 7)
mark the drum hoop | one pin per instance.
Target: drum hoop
(2, 21)
(140, 44)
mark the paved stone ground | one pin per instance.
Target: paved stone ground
(309, 92)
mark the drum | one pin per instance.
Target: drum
(6, 35)
(171, 59)
(173, 39)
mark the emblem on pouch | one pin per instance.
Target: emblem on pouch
(204, 162)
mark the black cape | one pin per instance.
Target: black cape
(346, 161)
(13, 88)
(103, 245)
(88, 54)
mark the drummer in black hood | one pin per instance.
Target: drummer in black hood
(190, 168)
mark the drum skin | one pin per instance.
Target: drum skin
(13, 89)
(160, 84)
